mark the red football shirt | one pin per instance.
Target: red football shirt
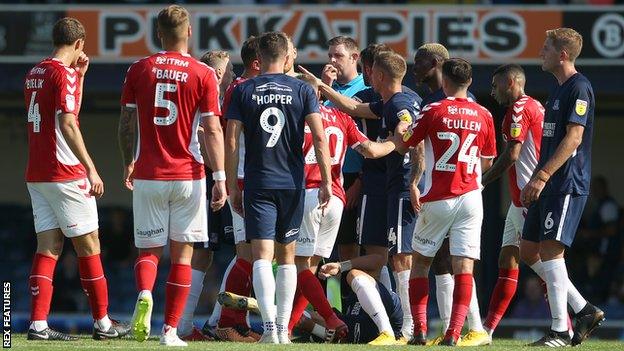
(51, 89)
(227, 97)
(457, 133)
(340, 131)
(523, 122)
(171, 92)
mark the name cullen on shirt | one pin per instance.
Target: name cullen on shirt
(462, 124)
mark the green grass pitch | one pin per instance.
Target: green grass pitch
(20, 343)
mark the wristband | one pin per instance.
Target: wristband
(345, 266)
(542, 175)
(218, 175)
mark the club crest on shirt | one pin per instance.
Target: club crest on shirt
(556, 105)
(70, 102)
(580, 107)
(515, 130)
(405, 116)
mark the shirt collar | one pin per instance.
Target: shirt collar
(354, 81)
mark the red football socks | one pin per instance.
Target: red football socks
(462, 293)
(94, 284)
(238, 282)
(419, 295)
(313, 291)
(504, 291)
(176, 292)
(40, 281)
(299, 305)
(145, 270)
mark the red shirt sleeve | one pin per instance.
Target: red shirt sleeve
(354, 136)
(519, 123)
(68, 91)
(418, 130)
(209, 104)
(128, 97)
(227, 98)
(489, 146)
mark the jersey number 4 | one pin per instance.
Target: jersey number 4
(467, 153)
(33, 113)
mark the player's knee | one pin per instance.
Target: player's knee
(509, 257)
(551, 249)
(87, 245)
(462, 265)
(529, 252)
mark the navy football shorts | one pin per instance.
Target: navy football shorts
(554, 217)
(401, 220)
(273, 214)
(371, 224)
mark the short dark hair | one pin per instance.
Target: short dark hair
(66, 31)
(249, 51)
(368, 54)
(457, 70)
(272, 46)
(510, 69)
(349, 43)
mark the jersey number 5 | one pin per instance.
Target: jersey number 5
(161, 101)
(467, 153)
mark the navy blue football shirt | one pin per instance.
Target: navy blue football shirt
(272, 108)
(570, 102)
(374, 170)
(399, 106)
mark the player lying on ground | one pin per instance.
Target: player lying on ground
(372, 313)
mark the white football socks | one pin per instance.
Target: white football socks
(384, 278)
(103, 324)
(216, 310)
(402, 283)
(264, 287)
(285, 287)
(370, 300)
(556, 277)
(575, 299)
(39, 326)
(185, 326)
(444, 296)
(474, 315)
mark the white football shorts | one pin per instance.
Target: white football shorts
(460, 217)
(174, 209)
(513, 226)
(318, 232)
(64, 205)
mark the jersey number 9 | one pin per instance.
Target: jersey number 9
(274, 129)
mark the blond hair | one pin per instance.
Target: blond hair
(566, 39)
(436, 49)
(391, 63)
(173, 22)
(215, 58)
